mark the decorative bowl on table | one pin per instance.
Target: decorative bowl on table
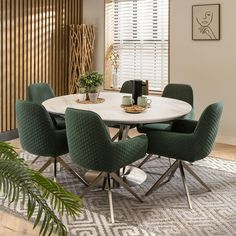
(134, 109)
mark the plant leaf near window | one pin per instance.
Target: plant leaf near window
(40, 195)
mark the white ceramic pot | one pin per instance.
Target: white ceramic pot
(93, 97)
(82, 96)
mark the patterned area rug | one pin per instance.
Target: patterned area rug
(164, 212)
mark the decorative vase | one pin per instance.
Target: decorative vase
(93, 97)
(114, 79)
(82, 96)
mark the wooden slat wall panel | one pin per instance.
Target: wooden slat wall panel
(33, 48)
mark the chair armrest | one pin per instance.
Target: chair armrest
(184, 126)
(172, 144)
(128, 151)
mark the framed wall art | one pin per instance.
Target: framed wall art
(206, 22)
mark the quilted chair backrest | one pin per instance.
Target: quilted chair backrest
(206, 130)
(183, 92)
(127, 87)
(35, 128)
(40, 92)
(88, 139)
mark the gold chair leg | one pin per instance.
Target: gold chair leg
(185, 184)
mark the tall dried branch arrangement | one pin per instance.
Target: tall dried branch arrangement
(82, 38)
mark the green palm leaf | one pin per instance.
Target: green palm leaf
(41, 195)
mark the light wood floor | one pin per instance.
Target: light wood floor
(14, 226)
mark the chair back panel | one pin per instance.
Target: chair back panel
(88, 139)
(207, 128)
(40, 92)
(35, 128)
(183, 92)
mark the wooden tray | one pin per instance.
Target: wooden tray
(99, 100)
(134, 109)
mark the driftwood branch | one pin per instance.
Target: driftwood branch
(82, 39)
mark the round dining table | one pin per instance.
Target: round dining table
(112, 113)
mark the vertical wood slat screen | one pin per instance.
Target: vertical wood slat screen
(33, 48)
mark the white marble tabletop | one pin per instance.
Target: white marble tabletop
(162, 109)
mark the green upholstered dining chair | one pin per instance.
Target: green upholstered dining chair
(127, 87)
(40, 92)
(187, 140)
(182, 92)
(91, 147)
(38, 135)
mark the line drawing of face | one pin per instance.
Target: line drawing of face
(206, 19)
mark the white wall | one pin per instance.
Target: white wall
(209, 66)
(93, 14)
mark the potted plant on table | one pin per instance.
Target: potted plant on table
(91, 82)
(43, 198)
(81, 91)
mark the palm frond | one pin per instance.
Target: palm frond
(41, 195)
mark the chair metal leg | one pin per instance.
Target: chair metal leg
(185, 184)
(173, 167)
(104, 183)
(64, 164)
(172, 174)
(195, 176)
(55, 169)
(97, 179)
(35, 159)
(126, 186)
(110, 199)
(115, 136)
(49, 162)
(145, 160)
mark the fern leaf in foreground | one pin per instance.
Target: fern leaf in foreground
(37, 191)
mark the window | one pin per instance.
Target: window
(137, 30)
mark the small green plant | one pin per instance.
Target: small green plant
(92, 90)
(90, 81)
(40, 195)
(81, 90)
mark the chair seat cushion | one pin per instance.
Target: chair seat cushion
(144, 128)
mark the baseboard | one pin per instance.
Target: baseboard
(9, 135)
(226, 139)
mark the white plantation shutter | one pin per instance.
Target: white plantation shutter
(138, 30)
